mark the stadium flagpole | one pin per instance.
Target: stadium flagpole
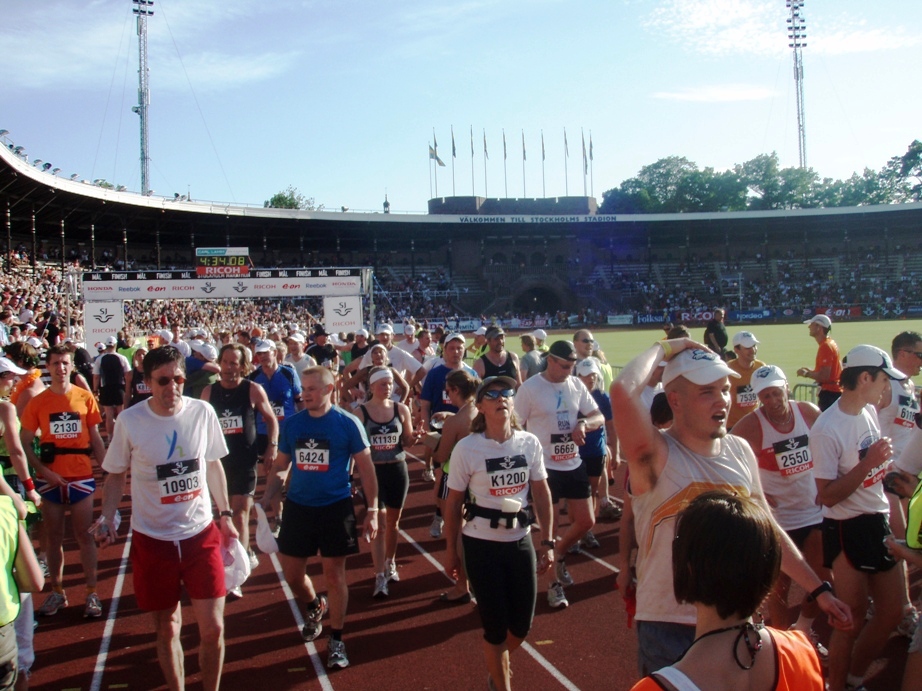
(524, 194)
(473, 194)
(486, 157)
(505, 178)
(543, 183)
(454, 155)
(566, 157)
(435, 148)
(430, 171)
(585, 160)
(591, 171)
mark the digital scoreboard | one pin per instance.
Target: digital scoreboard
(222, 261)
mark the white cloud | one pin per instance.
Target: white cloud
(717, 93)
(755, 27)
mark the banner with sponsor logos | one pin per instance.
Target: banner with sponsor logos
(751, 315)
(620, 319)
(263, 283)
(101, 320)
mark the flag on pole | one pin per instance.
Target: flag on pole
(585, 159)
(472, 141)
(542, 145)
(504, 145)
(454, 154)
(435, 157)
(523, 145)
(590, 146)
(485, 154)
(566, 147)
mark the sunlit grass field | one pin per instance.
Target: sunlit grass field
(787, 345)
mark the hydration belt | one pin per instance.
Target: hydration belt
(495, 516)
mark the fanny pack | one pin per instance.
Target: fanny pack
(47, 452)
(495, 516)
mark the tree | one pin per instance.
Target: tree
(911, 170)
(291, 198)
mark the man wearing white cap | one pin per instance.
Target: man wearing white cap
(540, 336)
(850, 459)
(828, 368)
(401, 360)
(409, 342)
(742, 398)
(479, 345)
(357, 350)
(668, 469)
(296, 356)
(778, 432)
(110, 382)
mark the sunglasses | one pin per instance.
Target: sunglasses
(914, 352)
(165, 381)
(586, 340)
(496, 394)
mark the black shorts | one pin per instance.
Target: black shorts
(862, 540)
(262, 441)
(443, 486)
(240, 474)
(799, 535)
(111, 395)
(503, 578)
(594, 465)
(330, 529)
(569, 484)
(393, 484)
(827, 398)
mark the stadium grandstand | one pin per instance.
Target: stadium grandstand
(523, 262)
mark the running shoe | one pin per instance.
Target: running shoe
(435, 530)
(563, 576)
(52, 604)
(44, 566)
(380, 585)
(909, 622)
(254, 561)
(556, 597)
(574, 548)
(610, 511)
(336, 657)
(93, 609)
(429, 474)
(312, 625)
(391, 571)
(590, 541)
(235, 593)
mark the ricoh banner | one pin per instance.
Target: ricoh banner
(101, 320)
(264, 283)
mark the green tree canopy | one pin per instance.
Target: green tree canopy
(291, 198)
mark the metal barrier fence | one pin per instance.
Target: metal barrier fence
(806, 392)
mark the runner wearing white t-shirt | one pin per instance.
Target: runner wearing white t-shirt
(850, 459)
(558, 409)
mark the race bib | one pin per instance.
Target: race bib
(563, 448)
(313, 455)
(179, 481)
(793, 455)
(385, 440)
(142, 387)
(446, 400)
(65, 425)
(508, 475)
(231, 424)
(906, 413)
(279, 411)
(746, 397)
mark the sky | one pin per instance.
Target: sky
(341, 99)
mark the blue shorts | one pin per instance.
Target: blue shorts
(75, 491)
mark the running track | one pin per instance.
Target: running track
(408, 641)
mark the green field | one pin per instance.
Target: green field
(787, 345)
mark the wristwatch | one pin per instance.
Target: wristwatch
(547, 543)
(824, 587)
(228, 514)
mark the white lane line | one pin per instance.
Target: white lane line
(598, 560)
(554, 672)
(96, 683)
(539, 658)
(319, 669)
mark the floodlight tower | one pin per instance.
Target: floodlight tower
(144, 9)
(797, 34)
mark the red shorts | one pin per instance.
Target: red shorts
(160, 569)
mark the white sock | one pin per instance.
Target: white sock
(853, 680)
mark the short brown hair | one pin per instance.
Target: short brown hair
(726, 553)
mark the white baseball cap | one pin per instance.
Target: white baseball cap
(296, 336)
(820, 319)
(37, 343)
(409, 329)
(111, 341)
(206, 350)
(361, 332)
(7, 365)
(384, 329)
(588, 366)
(482, 331)
(871, 356)
(698, 366)
(539, 334)
(745, 338)
(768, 376)
(264, 346)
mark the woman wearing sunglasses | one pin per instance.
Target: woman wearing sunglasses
(492, 471)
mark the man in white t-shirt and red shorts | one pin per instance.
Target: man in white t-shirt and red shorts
(173, 447)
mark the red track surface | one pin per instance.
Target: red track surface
(407, 641)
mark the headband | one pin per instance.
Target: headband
(379, 375)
